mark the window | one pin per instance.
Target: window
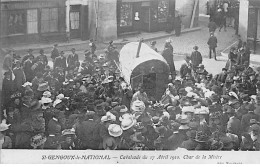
(126, 15)
(32, 21)
(49, 20)
(74, 20)
(16, 22)
(163, 10)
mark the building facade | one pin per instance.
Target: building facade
(249, 21)
(29, 21)
(35, 21)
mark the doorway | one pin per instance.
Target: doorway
(75, 21)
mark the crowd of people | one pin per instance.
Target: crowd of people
(224, 13)
(88, 105)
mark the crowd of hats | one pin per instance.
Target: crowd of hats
(195, 116)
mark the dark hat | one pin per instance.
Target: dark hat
(224, 69)
(215, 115)
(29, 92)
(191, 134)
(111, 42)
(55, 44)
(29, 50)
(201, 66)
(161, 130)
(41, 51)
(137, 137)
(214, 98)
(61, 52)
(73, 49)
(201, 137)
(216, 145)
(35, 105)
(7, 73)
(195, 47)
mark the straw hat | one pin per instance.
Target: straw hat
(138, 106)
(233, 94)
(202, 111)
(27, 84)
(4, 126)
(68, 132)
(187, 109)
(47, 94)
(43, 87)
(123, 109)
(38, 140)
(108, 117)
(45, 100)
(115, 130)
(127, 122)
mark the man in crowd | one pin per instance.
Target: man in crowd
(212, 42)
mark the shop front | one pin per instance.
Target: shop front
(249, 22)
(145, 15)
(28, 21)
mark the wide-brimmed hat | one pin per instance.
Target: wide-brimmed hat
(68, 132)
(27, 84)
(43, 87)
(38, 140)
(202, 111)
(115, 130)
(46, 94)
(45, 100)
(123, 109)
(138, 106)
(187, 109)
(201, 137)
(56, 102)
(184, 127)
(108, 117)
(4, 126)
(137, 137)
(127, 122)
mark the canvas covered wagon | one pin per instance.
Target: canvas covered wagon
(141, 64)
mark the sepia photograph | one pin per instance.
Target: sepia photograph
(130, 81)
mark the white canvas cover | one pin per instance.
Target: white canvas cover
(128, 60)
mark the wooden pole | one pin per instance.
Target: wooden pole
(193, 13)
(139, 47)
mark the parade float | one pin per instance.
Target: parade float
(139, 64)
